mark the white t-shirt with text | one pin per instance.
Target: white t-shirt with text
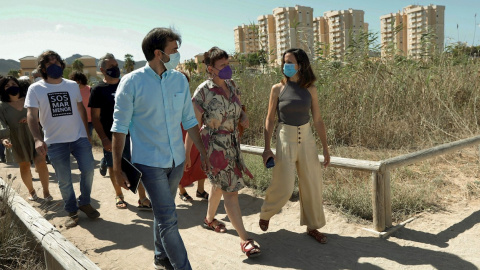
(58, 111)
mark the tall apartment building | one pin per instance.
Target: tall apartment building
(294, 29)
(337, 29)
(415, 31)
(246, 38)
(267, 36)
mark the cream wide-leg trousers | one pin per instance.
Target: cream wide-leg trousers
(296, 148)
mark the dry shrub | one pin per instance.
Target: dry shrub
(17, 248)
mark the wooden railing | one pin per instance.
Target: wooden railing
(58, 251)
(380, 170)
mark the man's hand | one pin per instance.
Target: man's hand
(121, 178)
(188, 163)
(107, 144)
(41, 147)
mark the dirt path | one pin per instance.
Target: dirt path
(444, 240)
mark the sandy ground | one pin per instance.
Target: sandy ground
(122, 239)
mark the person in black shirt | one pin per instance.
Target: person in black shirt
(102, 102)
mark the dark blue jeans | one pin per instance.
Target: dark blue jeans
(59, 154)
(161, 185)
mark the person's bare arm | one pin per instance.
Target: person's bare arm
(95, 113)
(118, 143)
(319, 125)
(270, 121)
(83, 115)
(32, 120)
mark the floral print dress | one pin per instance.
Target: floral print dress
(219, 134)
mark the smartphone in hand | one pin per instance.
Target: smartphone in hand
(270, 163)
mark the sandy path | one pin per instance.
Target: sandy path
(444, 240)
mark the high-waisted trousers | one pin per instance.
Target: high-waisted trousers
(296, 149)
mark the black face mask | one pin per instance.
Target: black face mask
(113, 72)
(13, 90)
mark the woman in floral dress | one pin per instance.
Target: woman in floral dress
(13, 121)
(218, 109)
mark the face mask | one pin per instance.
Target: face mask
(13, 90)
(113, 72)
(289, 70)
(38, 79)
(54, 71)
(225, 73)
(174, 60)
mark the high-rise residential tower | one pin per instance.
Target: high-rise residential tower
(416, 31)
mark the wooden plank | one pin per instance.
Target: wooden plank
(53, 242)
(337, 162)
(388, 199)
(378, 201)
(421, 155)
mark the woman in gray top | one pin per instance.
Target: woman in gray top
(13, 122)
(292, 101)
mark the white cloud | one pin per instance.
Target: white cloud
(58, 27)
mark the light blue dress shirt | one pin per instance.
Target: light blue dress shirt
(152, 107)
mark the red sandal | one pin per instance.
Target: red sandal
(250, 249)
(263, 224)
(219, 227)
(320, 237)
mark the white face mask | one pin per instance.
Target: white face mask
(174, 60)
(38, 79)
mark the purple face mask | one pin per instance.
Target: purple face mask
(225, 73)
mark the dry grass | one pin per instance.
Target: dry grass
(17, 247)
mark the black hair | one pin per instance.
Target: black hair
(157, 39)
(213, 55)
(305, 72)
(4, 97)
(78, 77)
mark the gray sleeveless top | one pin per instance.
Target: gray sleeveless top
(294, 104)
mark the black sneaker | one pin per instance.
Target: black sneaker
(103, 167)
(162, 263)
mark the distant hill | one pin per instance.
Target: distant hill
(6, 65)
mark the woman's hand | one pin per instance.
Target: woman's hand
(267, 153)
(7, 143)
(326, 158)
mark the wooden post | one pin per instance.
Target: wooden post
(378, 201)
(388, 199)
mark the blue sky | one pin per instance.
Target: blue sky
(93, 28)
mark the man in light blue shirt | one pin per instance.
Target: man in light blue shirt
(151, 102)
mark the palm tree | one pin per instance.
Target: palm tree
(77, 65)
(129, 64)
(191, 66)
(14, 73)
